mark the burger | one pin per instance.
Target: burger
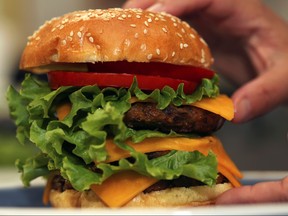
(126, 115)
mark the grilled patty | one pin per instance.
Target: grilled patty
(60, 184)
(183, 119)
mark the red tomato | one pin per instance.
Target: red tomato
(64, 78)
(150, 76)
(182, 72)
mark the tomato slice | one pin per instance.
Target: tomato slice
(183, 72)
(64, 78)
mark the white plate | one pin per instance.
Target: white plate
(16, 200)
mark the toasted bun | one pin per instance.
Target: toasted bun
(132, 35)
(174, 197)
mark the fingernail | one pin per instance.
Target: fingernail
(158, 7)
(242, 110)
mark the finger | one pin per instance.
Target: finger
(170, 6)
(261, 95)
(139, 4)
(259, 193)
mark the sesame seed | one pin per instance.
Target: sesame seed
(181, 45)
(136, 35)
(149, 56)
(183, 30)
(124, 15)
(61, 27)
(149, 20)
(53, 29)
(120, 18)
(79, 34)
(158, 51)
(146, 23)
(70, 38)
(202, 53)
(173, 54)
(65, 21)
(143, 47)
(165, 30)
(133, 25)
(185, 45)
(88, 34)
(64, 42)
(202, 40)
(186, 24)
(156, 18)
(91, 39)
(127, 42)
(179, 35)
(175, 24)
(138, 16)
(71, 33)
(38, 38)
(145, 31)
(116, 51)
(173, 19)
(192, 36)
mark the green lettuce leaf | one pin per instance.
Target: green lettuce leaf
(75, 144)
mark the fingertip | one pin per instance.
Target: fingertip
(243, 109)
(130, 4)
(138, 4)
(158, 7)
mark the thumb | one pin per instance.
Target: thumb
(259, 193)
(260, 95)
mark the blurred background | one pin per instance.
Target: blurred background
(258, 145)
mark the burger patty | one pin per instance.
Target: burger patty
(61, 184)
(183, 119)
(182, 181)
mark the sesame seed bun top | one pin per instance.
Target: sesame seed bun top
(115, 34)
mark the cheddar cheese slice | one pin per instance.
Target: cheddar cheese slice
(203, 145)
(121, 187)
(221, 105)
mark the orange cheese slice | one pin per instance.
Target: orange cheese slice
(121, 187)
(221, 105)
(63, 110)
(203, 145)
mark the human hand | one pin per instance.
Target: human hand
(263, 192)
(249, 43)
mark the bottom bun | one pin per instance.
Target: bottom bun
(173, 197)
